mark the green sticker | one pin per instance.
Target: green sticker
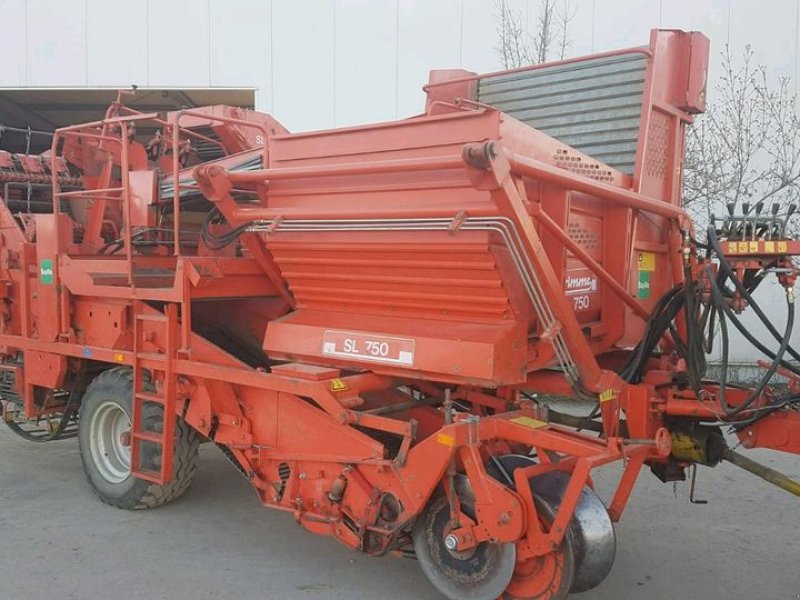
(643, 291)
(46, 271)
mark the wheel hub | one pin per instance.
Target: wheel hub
(591, 533)
(480, 573)
(109, 442)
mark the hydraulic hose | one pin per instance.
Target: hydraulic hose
(777, 357)
(695, 353)
(719, 301)
(726, 267)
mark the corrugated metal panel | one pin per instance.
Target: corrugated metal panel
(432, 279)
(593, 105)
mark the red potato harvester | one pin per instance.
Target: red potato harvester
(371, 322)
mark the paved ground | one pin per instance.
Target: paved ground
(58, 541)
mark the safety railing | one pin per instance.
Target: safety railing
(176, 129)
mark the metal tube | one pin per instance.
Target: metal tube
(242, 215)
(403, 406)
(536, 169)
(592, 264)
(92, 193)
(360, 168)
(4, 128)
(176, 186)
(770, 475)
(126, 201)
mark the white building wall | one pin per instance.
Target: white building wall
(334, 62)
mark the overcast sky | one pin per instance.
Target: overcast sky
(320, 63)
(355, 62)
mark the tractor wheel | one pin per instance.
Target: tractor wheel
(591, 532)
(481, 573)
(546, 577)
(104, 433)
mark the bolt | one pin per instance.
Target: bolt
(451, 542)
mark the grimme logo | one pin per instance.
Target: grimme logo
(584, 283)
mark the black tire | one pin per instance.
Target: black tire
(113, 390)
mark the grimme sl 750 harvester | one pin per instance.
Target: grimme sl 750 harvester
(366, 320)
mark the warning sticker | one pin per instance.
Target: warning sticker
(338, 385)
(607, 395)
(529, 422)
(445, 439)
(647, 261)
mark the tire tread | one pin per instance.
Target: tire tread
(145, 494)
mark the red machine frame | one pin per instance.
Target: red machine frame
(463, 191)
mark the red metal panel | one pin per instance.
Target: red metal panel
(433, 349)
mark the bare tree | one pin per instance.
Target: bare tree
(746, 147)
(564, 17)
(513, 45)
(545, 34)
(518, 46)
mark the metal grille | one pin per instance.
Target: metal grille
(592, 105)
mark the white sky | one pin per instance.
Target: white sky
(353, 75)
(320, 63)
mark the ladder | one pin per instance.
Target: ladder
(152, 439)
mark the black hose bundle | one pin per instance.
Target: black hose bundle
(699, 322)
(660, 321)
(219, 241)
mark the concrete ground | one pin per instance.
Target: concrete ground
(58, 541)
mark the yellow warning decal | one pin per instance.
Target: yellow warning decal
(647, 261)
(769, 247)
(445, 439)
(608, 394)
(338, 385)
(743, 247)
(782, 247)
(528, 422)
(753, 248)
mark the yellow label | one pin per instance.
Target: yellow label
(337, 385)
(119, 357)
(733, 247)
(647, 261)
(743, 247)
(753, 248)
(782, 247)
(607, 395)
(769, 247)
(528, 422)
(445, 439)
